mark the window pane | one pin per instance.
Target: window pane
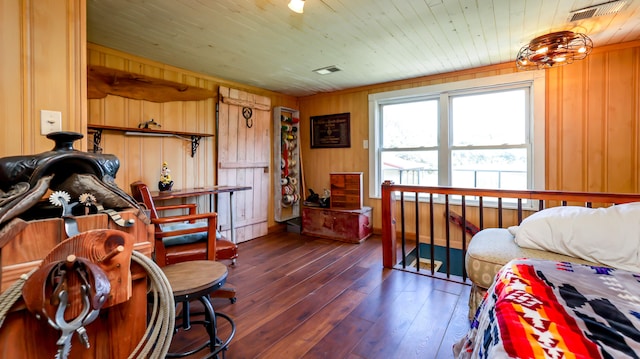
(410, 125)
(415, 167)
(495, 169)
(495, 118)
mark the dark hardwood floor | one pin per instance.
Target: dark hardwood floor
(303, 297)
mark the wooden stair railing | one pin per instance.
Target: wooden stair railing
(393, 200)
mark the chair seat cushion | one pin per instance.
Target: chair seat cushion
(185, 238)
(186, 252)
(225, 249)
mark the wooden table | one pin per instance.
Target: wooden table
(201, 191)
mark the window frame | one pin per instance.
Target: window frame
(535, 80)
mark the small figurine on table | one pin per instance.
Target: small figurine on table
(165, 183)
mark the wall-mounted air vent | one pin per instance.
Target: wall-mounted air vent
(327, 70)
(606, 8)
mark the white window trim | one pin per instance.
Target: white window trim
(536, 78)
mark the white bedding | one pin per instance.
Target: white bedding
(610, 235)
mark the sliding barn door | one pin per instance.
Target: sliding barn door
(244, 147)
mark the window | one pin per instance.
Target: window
(409, 151)
(486, 133)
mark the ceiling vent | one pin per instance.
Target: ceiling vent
(607, 8)
(327, 70)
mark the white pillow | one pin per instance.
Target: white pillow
(610, 235)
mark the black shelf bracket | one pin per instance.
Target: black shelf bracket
(97, 138)
(195, 142)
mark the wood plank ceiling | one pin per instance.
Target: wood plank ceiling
(263, 43)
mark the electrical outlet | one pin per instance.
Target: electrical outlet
(50, 121)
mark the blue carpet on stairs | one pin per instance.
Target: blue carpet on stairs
(456, 258)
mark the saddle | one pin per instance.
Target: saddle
(25, 179)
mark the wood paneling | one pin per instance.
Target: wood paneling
(142, 157)
(11, 86)
(593, 108)
(42, 68)
(592, 124)
(318, 163)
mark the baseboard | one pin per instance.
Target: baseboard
(277, 228)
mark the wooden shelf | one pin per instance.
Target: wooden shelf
(132, 131)
(286, 152)
(103, 81)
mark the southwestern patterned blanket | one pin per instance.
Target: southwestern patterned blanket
(547, 309)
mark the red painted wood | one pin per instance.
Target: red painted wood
(388, 227)
(351, 226)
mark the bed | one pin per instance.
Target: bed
(547, 309)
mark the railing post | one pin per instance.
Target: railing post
(388, 226)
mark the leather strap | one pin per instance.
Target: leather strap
(41, 290)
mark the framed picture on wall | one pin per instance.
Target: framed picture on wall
(331, 131)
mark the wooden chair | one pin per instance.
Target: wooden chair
(180, 238)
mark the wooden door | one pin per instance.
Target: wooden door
(244, 150)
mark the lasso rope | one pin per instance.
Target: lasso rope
(12, 294)
(160, 328)
(157, 338)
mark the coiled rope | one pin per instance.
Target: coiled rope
(162, 322)
(157, 338)
(12, 294)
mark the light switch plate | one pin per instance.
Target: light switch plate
(50, 121)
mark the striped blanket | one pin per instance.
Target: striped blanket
(547, 309)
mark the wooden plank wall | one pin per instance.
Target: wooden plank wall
(592, 124)
(318, 163)
(142, 157)
(42, 67)
(592, 120)
(35, 74)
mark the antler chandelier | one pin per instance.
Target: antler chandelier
(554, 49)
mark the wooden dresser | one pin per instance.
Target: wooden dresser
(346, 190)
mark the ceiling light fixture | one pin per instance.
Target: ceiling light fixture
(554, 49)
(297, 6)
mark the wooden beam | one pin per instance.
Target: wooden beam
(103, 81)
(245, 103)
